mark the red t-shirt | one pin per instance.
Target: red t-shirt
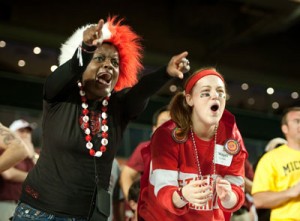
(136, 161)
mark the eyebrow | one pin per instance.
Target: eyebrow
(209, 86)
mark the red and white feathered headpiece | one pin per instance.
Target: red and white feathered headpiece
(123, 38)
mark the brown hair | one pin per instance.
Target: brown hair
(180, 112)
(286, 111)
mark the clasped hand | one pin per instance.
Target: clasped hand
(197, 192)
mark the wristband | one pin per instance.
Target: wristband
(179, 191)
(87, 51)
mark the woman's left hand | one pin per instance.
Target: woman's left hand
(223, 188)
(178, 65)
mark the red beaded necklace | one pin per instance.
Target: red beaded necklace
(197, 157)
(86, 125)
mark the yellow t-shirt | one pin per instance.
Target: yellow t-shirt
(276, 171)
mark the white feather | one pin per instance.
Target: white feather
(68, 49)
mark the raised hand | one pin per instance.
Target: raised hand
(93, 34)
(178, 65)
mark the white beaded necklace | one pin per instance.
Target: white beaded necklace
(86, 125)
(197, 157)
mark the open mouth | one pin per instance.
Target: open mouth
(214, 107)
(104, 78)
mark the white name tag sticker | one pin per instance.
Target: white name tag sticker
(221, 156)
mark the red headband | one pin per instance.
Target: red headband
(190, 84)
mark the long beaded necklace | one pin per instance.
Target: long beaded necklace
(86, 125)
(197, 157)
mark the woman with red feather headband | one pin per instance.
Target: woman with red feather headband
(88, 102)
(197, 169)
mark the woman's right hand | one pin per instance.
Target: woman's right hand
(197, 192)
(92, 35)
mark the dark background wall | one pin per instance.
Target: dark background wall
(250, 42)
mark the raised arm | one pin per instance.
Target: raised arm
(149, 84)
(79, 48)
